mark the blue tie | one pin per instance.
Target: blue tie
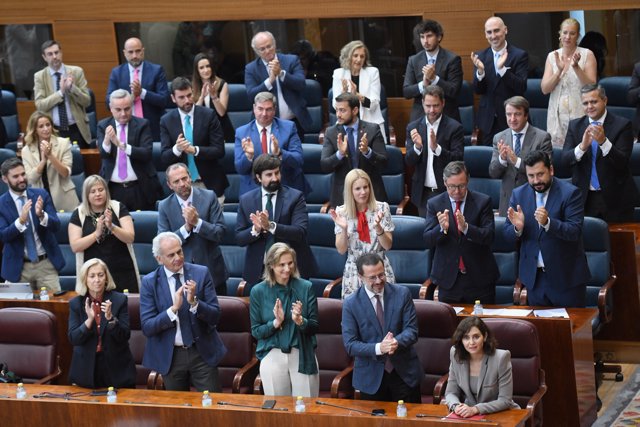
(518, 145)
(595, 182)
(184, 316)
(540, 204)
(351, 140)
(29, 239)
(191, 161)
(432, 61)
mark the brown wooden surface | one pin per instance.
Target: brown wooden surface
(155, 407)
(92, 161)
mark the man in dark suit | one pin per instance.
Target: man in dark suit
(598, 147)
(353, 144)
(269, 214)
(179, 312)
(460, 228)
(444, 138)
(379, 329)
(633, 97)
(145, 80)
(501, 72)
(546, 216)
(512, 145)
(435, 66)
(195, 215)
(125, 148)
(278, 136)
(192, 135)
(281, 75)
(28, 223)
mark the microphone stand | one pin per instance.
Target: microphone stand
(320, 402)
(249, 406)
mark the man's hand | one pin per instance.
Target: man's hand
(443, 220)
(433, 145)
(40, 208)
(429, 74)
(136, 88)
(24, 213)
(541, 215)
(502, 59)
(274, 69)
(343, 145)
(462, 223)
(477, 63)
(190, 215)
(177, 299)
(110, 136)
(389, 344)
(247, 148)
(416, 138)
(516, 217)
(506, 152)
(364, 144)
(275, 147)
(190, 288)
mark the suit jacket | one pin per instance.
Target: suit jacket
(290, 149)
(155, 299)
(293, 84)
(208, 137)
(155, 83)
(291, 218)
(3, 130)
(633, 97)
(203, 247)
(495, 383)
(494, 90)
(450, 137)
(361, 331)
(562, 248)
(373, 165)
(534, 139)
(474, 247)
(115, 343)
(614, 173)
(13, 240)
(448, 68)
(369, 86)
(47, 97)
(62, 189)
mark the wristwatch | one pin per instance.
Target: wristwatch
(272, 227)
(195, 301)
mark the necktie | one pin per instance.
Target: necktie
(496, 56)
(388, 366)
(122, 155)
(191, 160)
(540, 204)
(518, 144)
(29, 239)
(353, 150)
(62, 107)
(431, 61)
(595, 182)
(137, 103)
(461, 266)
(183, 315)
(269, 207)
(263, 140)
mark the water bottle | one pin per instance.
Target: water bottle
(126, 291)
(401, 410)
(112, 396)
(477, 308)
(44, 294)
(206, 399)
(300, 405)
(21, 393)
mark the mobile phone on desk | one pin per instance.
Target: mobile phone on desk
(269, 404)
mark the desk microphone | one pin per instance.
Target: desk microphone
(248, 406)
(320, 402)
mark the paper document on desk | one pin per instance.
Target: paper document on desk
(552, 312)
(458, 309)
(508, 312)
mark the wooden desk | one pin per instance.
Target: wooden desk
(92, 162)
(155, 407)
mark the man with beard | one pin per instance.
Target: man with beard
(546, 216)
(28, 223)
(269, 214)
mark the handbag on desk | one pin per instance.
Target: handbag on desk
(7, 376)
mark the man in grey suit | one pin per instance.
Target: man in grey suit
(195, 215)
(512, 145)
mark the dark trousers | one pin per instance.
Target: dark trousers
(299, 129)
(466, 290)
(393, 388)
(427, 193)
(101, 377)
(132, 195)
(74, 135)
(539, 295)
(187, 369)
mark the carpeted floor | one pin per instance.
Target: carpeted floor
(625, 409)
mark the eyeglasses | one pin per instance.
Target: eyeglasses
(371, 279)
(458, 187)
(265, 48)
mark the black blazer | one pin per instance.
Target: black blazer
(633, 97)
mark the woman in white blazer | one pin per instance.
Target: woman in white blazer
(360, 78)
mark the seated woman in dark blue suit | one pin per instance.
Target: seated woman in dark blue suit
(99, 331)
(480, 379)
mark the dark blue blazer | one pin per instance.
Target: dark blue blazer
(292, 220)
(155, 299)
(361, 332)
(13, 240)
(255, 73)
(474, 247)
(290, 147)
(115, 343)
(561, 246)
(207, 135)
(154, 81)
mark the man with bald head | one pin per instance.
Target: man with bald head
(500, 73)
(280, 74)
(145, 80)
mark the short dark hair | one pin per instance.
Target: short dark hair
(591, 87)
(463, 328)
(350, 98)
(536, 156)
(429, 25)
(433, 90)
(369, 258)
(180, 83)
(264, 162)
(455, 167)
(48, 44)
(9, 164)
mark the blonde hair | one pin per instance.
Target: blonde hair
(568, 21)
(347, 51)
(89, 183)
(273, 256)
(349, 203)
(81, 282)
(31, 136)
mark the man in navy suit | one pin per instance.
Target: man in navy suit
(444, 138)
(125, 148)
(269, 214)
(633, 98)
(435, 66)
(179, 312)
(598, 147)
(192, 135)
(460, 228)
(278, 136)
(501, 72)
(195, 215)
(546, 216)
(379, 329)
(281, 75)
(28, 223)
(145, 80)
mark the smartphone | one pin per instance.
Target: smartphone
(378, 412)
(59, 293)
(268, 404)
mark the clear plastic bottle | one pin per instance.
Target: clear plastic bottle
(300, 407)
(206, 399)
(477, 308)
(401, 410)
(21, 393)
(112, 396)
(44, 294)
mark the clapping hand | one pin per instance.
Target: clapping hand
(278, 313)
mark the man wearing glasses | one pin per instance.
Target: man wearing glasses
(460, 230)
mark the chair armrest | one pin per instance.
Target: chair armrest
(439, 389)
(325, 207)
(240, 290)
(246, 375)
(155, 381)
(475, 136)
(424, 289)
(604, 310)
(519, 293)
(257, 385)
(403, 203)
(329, 287)
(342, 381)
(535, 399)
(55, 374)
(392, 135)
(321, 134)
